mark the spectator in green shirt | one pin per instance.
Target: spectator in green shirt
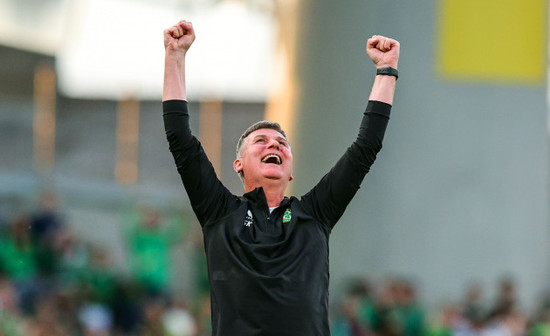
(17, 253)
(149, 242)
(18, 262)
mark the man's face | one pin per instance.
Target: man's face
(265, 156)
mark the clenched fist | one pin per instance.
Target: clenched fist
(383, 51)
(179, 37)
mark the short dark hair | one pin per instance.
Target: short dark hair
(259, 125)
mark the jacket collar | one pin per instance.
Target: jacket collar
(257, 198)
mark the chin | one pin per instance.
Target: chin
(273, 174)
(276, 177)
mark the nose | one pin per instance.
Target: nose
(273, 143)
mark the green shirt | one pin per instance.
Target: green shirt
(17, 261)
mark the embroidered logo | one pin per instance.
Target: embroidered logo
(287, 216)
(248, 219)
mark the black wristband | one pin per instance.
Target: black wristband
(388, 72)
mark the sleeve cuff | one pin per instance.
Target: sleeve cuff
(378, 107)
(174, 106)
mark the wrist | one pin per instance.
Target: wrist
(175, 58)
(386, 65)
(175, 53)
(387, 71)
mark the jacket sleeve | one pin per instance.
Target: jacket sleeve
(330, 197)
(209, 198)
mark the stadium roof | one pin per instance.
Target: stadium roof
(111, 49)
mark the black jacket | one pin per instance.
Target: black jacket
(269, 273)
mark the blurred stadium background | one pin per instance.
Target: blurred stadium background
(450, 229)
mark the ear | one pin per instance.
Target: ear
(238, 166)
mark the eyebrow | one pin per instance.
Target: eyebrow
(266, 136)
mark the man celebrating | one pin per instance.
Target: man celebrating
(268, 253)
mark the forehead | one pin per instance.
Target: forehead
(266, 132)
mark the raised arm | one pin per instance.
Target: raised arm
(384, 52)
(177, 40)
(329, 198)
(208, 197)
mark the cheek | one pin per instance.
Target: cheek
(288, 154)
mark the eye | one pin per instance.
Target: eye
(260, 140)
(282, 143)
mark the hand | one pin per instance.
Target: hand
(179, 37)
(383, 51)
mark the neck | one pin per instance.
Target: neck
(274, 192)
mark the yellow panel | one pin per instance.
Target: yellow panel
(492, 40)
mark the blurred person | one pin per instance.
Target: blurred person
(95, 296)
(443, 321)
(356, 310)
(96, 320)
(127, 306)
(203, 315)
(47, 226)
(178, 321)
(46, 320)
(473, 313)
(149, 242)
(47, 219)
(74, 259)
(509, 322)
(348, 322)
(506, 299)
(409, 308)
(541, 323)
(476, 323)
(12, 322)
(504, 318)
(18, 261)
(473, 300)
(398, 311)
(69, 284)
(98, 279)
(387, 320)
(152, 323)
(515, 323)
(268, 254)
(362, 290)
(17, 251)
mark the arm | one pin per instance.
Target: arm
(329, 198)
(208, 197)
(177, 41)
(384, 52)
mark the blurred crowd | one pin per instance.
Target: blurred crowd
(53, 283)
(392, 308)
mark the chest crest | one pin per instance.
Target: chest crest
(287, 216)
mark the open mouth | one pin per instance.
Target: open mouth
(272, 158)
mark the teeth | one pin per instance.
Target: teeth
(271, 156)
